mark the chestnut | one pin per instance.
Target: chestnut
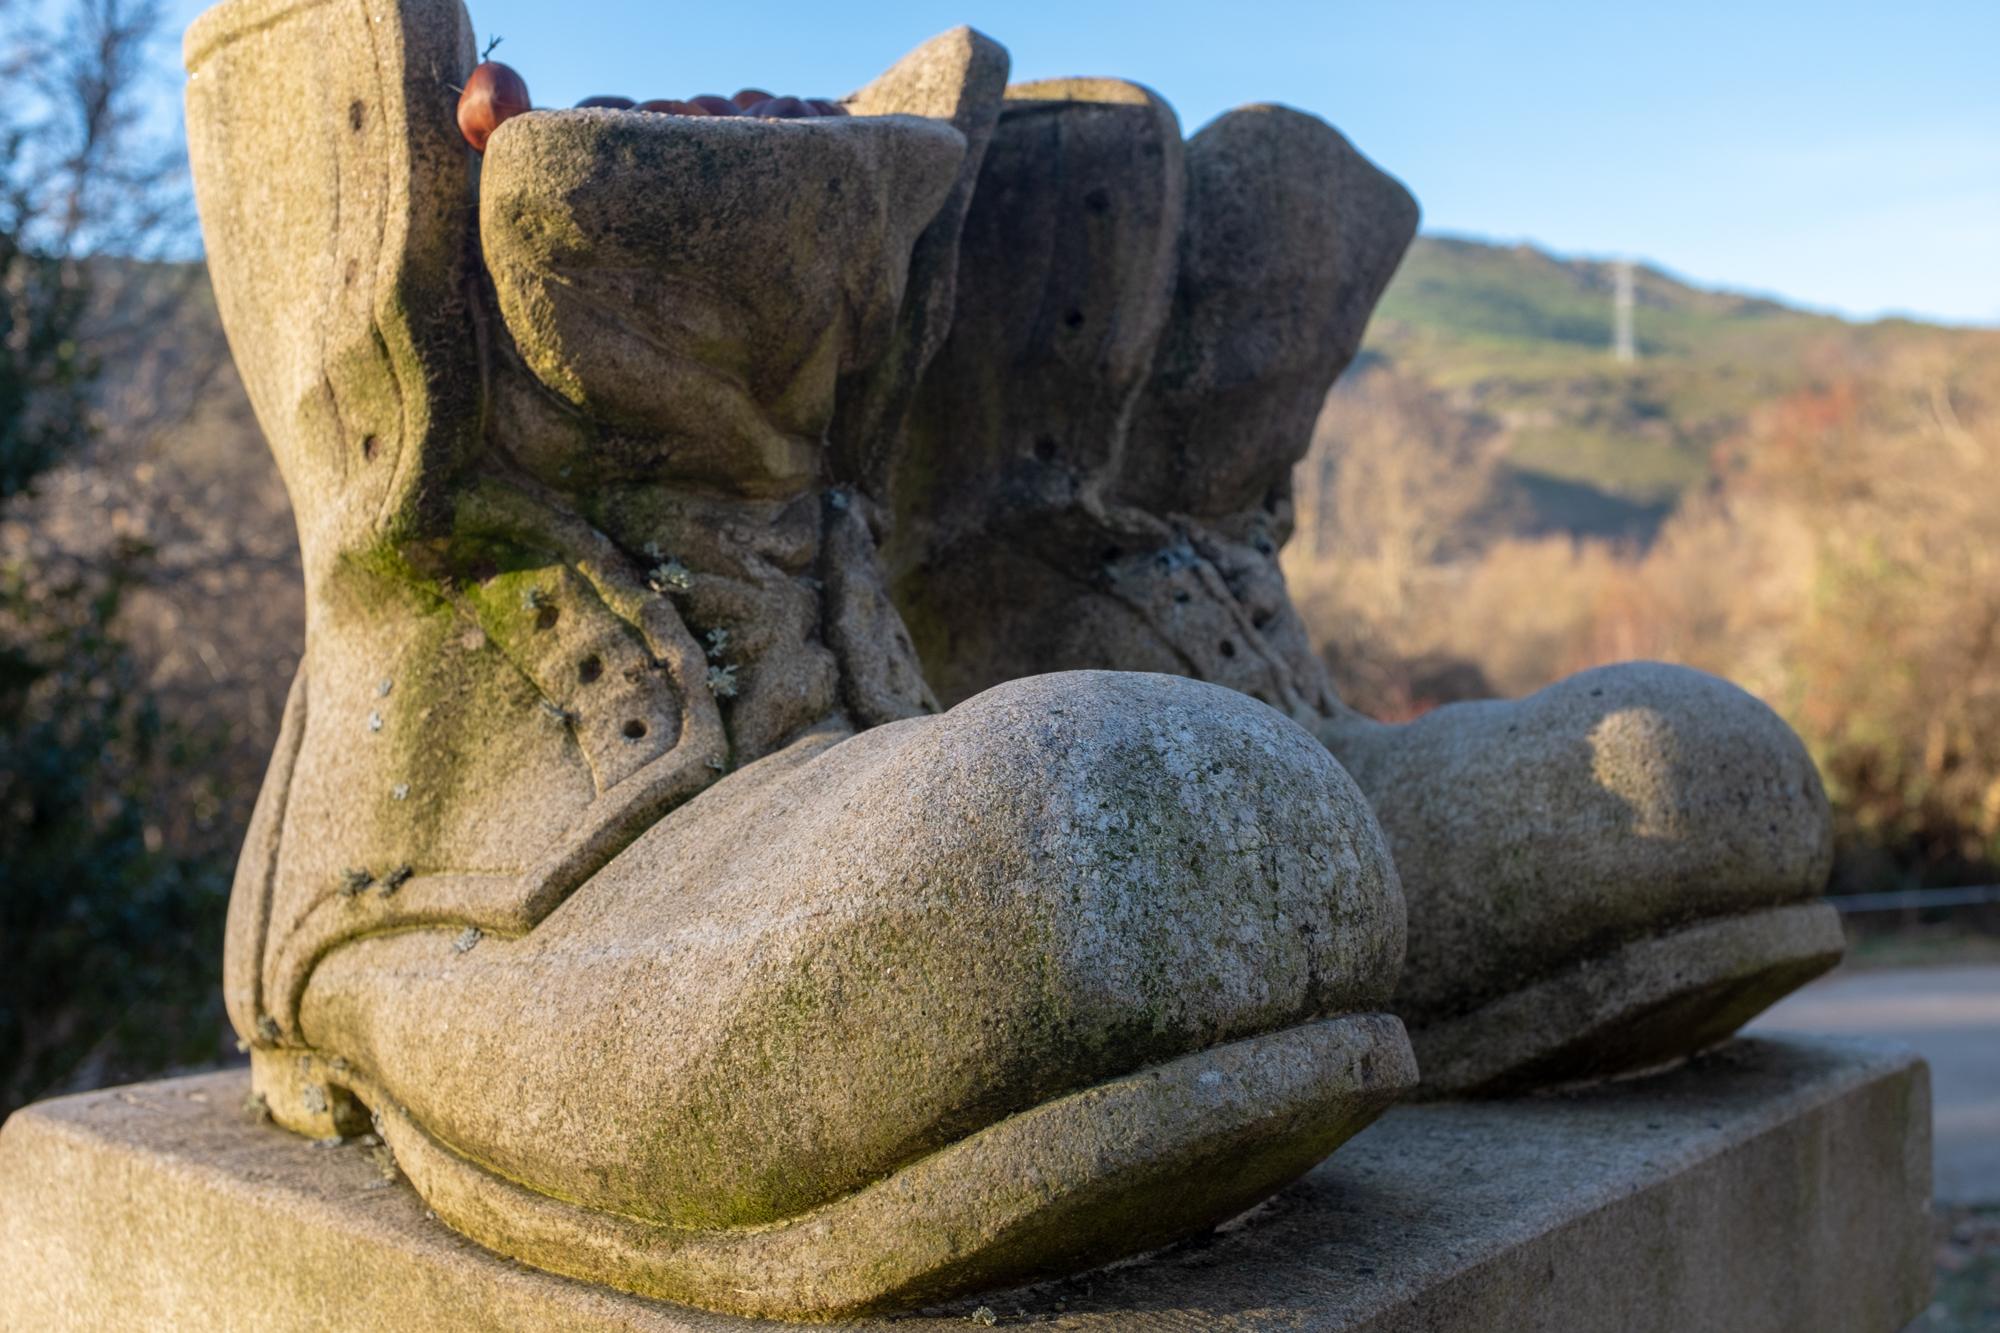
(611, 103)
(716, 106)
(493, 95)
(781, 108)
(672, 106)
(821, 107)
(749, 97)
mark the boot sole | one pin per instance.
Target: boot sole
(1645, 1005)
(1081, 1180)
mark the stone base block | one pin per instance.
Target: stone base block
(1775, 1184)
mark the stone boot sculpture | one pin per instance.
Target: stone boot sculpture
(614, 862)
(1613, 873)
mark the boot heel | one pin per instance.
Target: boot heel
(306, 1094)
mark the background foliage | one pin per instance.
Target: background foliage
(1802, 505)
(108, 924)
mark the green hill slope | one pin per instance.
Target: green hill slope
(1594, 445)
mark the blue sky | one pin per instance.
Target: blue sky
(1840, 155)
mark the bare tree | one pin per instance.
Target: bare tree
(1388, 497)
(106, 935)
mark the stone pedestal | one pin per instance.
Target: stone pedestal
(1776, 1184)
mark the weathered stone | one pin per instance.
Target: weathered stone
(702, 282)
(957, 77)
(347, 325)
(1291, 238)
(572, 872)
(1038, 520)
(344, 286)
(1770, 1187)
(812, 1068)
(1066, 272)
(1616, 872)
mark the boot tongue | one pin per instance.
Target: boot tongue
(694, 292)
(697, 285)
(1291, 238)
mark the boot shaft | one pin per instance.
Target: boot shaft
(556, 430)
(1099, 468)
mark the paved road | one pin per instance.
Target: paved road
(1952, 1016)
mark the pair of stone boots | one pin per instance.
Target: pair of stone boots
(617, 863)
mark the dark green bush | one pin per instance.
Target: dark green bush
(109, 937)
(110, 908)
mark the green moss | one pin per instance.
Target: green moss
(426, 616)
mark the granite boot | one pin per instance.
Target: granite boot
(1611, 874)
(615, 863)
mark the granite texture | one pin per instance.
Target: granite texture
(616, 859)
(957, 77)
(1551, 845)
(1612, 873)
(1773, 1186)
(702, 283)
(726, 1041)
(1098, 463)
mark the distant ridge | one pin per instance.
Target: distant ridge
(1521, 338)
(1526, 292)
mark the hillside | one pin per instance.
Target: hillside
(1800, 504)
(1519, 340)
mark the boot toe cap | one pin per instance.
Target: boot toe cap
(1617, 804)
(825, 968)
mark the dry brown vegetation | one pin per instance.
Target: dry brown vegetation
(1841, 560)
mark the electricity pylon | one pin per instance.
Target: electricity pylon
(1623, 345)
